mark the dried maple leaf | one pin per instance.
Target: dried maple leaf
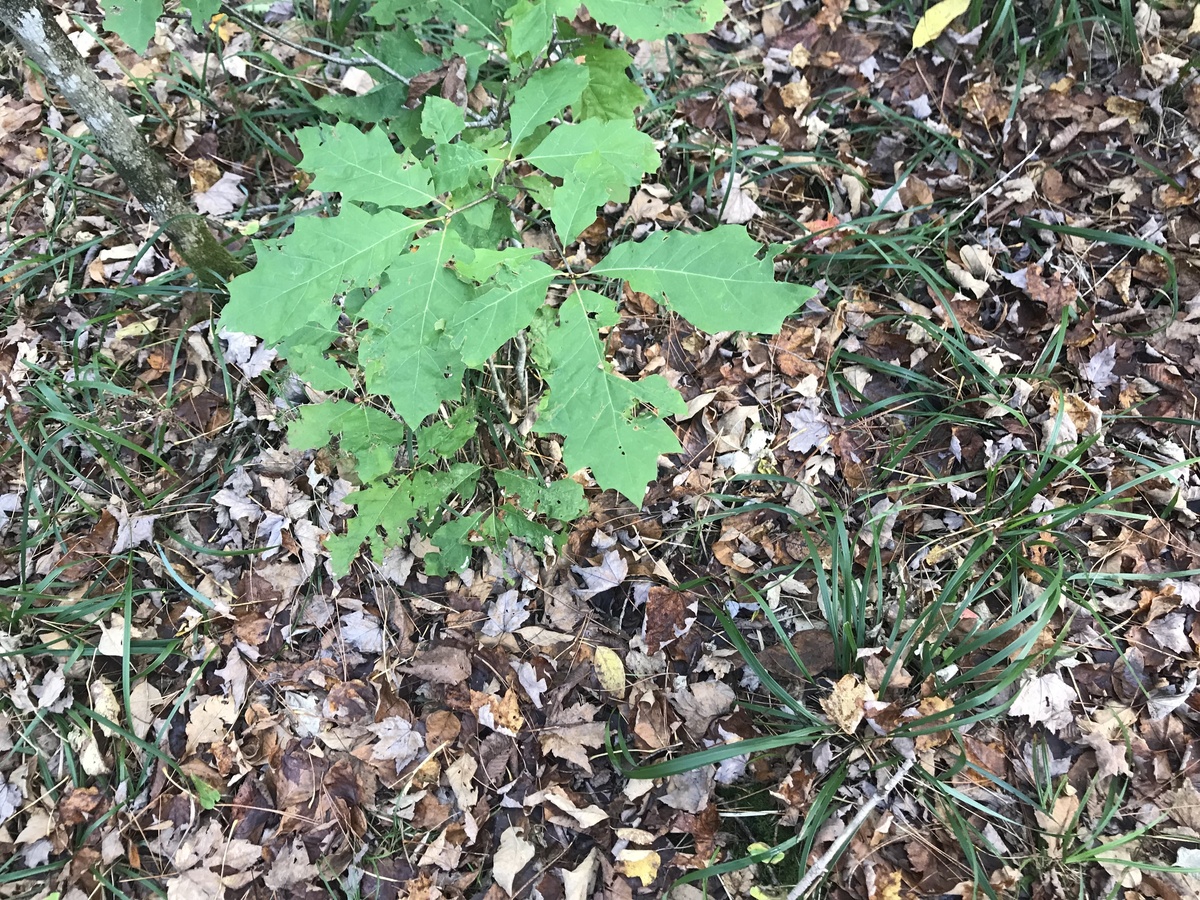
(1046, 699)
(397, 741)
(611, 573)
(292, 867)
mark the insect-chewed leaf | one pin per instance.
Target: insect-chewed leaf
(132, 20)
(643, 21)
(562, 500)
(594, 410)
(364, 167)
(712, 279)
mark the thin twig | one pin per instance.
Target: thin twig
(522, 374)
(821, 866)
(366, 59)
(496, 383)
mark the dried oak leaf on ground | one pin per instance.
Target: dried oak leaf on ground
(570, 731)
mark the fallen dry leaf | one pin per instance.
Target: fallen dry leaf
(511, 857)
(844, 705)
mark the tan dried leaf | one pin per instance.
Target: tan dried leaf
(1046, 699)
(511, 857)
(570, 732)
(844, 705)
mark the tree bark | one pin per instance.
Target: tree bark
(145, 173)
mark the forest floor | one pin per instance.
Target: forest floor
(963, 483)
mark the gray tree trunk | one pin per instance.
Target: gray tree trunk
(145, 173)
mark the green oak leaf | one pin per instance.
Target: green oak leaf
(407, 354)
(202, 12)
(595, 410)
(610, 92)
(377, 105)
(311, 365)
(484, 264)
(296, 279)
(713, 279)
(455, 541)
(529, 27)
(385, 12)
(591, 183)
(401, 49)
(562, 500)
(363, 166)
(545, 95)
(441, 120)
(383, 512)
(499, 311)
(630, 152)
(369, 434)
(132, 20)
(442, 439)
(640, 20)
(460, 165)
(598, 161)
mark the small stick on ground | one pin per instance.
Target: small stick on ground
(821, 866)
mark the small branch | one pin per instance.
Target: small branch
(821, 866)
(522, 372)
(498, 385)
(365, 59)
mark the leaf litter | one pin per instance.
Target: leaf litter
(398, 730)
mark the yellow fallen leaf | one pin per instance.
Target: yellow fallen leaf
(936, 19)
(610, 671)
(138, 329)
(641, 864)
(844, 705)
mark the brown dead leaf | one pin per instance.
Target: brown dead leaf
(669, 616)
(1055, 823)
(569, 732)
(441, 665)
(501, 714)
(930, 707)
(79, 805)
(1055, 294)
(815, 647)
(82, 557)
